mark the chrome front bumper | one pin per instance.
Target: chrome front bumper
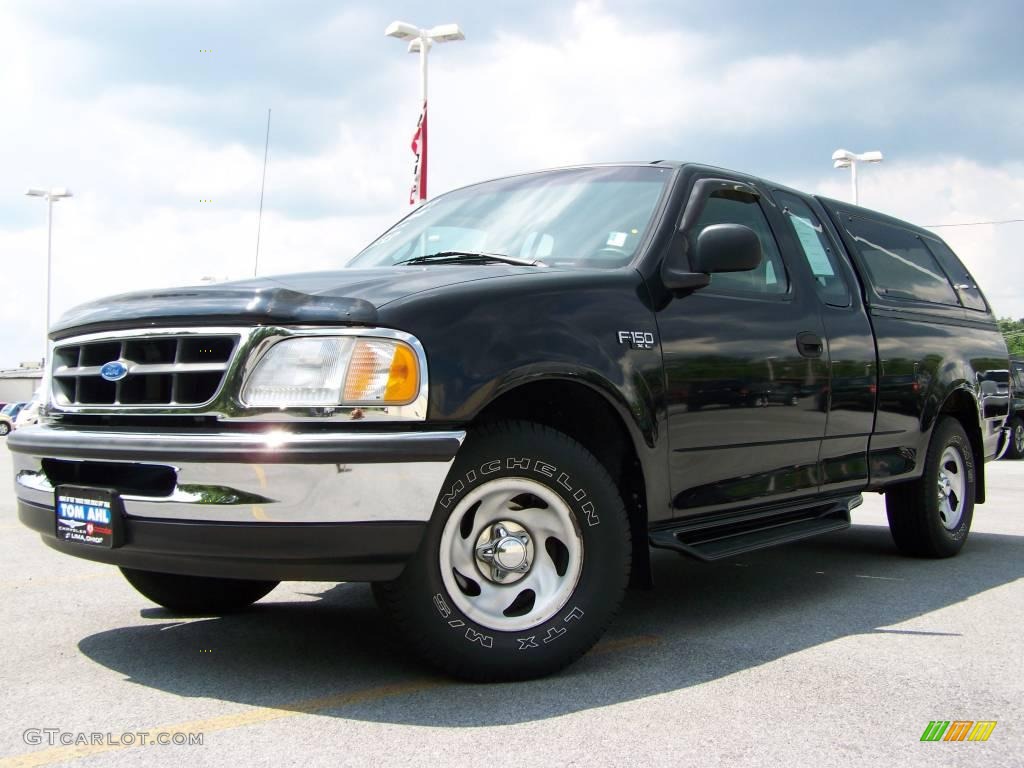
(273, 476)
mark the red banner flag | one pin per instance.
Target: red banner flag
(418, 193)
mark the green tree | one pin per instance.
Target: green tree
(1013, 332)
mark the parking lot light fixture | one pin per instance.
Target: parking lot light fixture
(420, 41)
(52, 195)
(843, 158)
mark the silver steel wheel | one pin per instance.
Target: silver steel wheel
(1018, 439)
(511, 554)
(952, 487)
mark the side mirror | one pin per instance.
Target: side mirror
(716, 248)
(726, 248)
(719, 248)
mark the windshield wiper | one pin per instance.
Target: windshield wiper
(470, 257)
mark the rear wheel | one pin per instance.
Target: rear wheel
(1016, 449)
(4, 428)
(197, 594)
(931, 516)
(525, 561)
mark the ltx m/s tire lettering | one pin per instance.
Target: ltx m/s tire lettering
(525, 464)
(518, 574)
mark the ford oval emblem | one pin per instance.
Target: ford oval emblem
(115, 370)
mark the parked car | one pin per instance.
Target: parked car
(497, 409)
(29, 415)
(1015, 385)
(8, 414)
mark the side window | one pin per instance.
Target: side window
(969, 292)
(898, 263)
(817, 249)
(770, 276)
(1018, 378)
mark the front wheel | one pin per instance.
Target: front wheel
(931, 516)
(525, 561)
(1016, 449)
(197, 594)
(4, 428)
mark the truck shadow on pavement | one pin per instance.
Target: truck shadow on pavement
(701, 623)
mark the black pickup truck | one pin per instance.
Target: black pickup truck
(504, 401)
(1015, 391)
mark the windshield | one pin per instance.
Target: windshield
(590, 217)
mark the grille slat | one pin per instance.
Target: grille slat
(163, 370)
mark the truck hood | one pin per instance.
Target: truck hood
(346, 296)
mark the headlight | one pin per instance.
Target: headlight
(334, 370)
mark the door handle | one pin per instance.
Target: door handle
(809, 344)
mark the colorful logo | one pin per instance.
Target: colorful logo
(115, 370)
(958, 730)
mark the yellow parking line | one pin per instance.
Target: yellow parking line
(261, 477)
(624, 643)
(221, 723)
(266, 714)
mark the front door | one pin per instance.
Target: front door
(747, 377)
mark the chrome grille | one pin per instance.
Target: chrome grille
(162, 370)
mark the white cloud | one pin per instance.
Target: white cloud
(606, 88)
(953, 191)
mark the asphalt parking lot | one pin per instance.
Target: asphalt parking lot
(835, 651)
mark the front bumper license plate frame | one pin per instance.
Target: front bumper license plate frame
(88, 516)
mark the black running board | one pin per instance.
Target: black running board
(717, 538)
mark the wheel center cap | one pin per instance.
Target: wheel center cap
(510, 553)
(504, 552)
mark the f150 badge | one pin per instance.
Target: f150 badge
(637, 339)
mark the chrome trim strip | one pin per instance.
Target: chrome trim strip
(276, 445)
(94, 370)
(226, 405)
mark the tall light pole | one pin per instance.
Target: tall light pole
(52, 195)
(420, 41)
(843, 158)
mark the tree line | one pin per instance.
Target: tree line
(1013, 332)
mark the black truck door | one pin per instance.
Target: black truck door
(850, 342)
(745, 368)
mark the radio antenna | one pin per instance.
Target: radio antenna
(263, 184)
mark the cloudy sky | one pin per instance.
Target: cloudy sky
(116, 100)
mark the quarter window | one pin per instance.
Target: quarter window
(969, 292)
(817, 248)
(769, 277)
(899, 265)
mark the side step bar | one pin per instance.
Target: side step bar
(716, 538)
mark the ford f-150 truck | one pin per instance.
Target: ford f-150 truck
(1012, 383)
(504, 401)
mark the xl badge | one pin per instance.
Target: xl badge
(637, 339)
(115, 370)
